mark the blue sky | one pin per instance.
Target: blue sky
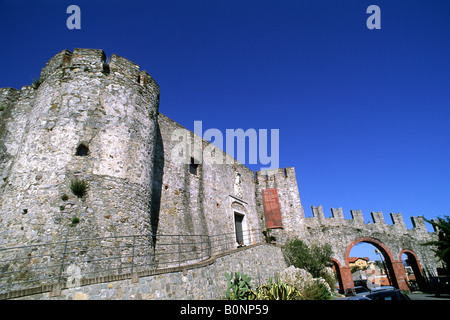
(363, 114)
(363, 249)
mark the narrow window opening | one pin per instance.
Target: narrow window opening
(238, 221)
(193, 167)
(82, 150)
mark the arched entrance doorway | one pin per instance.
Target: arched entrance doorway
(395, 270)
(416, 280)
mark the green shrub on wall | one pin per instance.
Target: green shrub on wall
(78, 187)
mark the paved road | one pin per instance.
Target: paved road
(428, 296)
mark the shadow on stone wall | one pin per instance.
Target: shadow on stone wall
(158, 171)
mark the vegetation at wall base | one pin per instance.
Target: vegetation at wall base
(239, 287)
(442, 245)
(314, 259)
(276, 291)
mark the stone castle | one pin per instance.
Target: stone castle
(97, 120)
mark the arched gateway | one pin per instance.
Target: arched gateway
(395, 269)
(391, 240)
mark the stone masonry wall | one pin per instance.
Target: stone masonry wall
(136, 181)
(204, 202)
(80, 100)
(340, 233)
(292, 215)
(111, 109)
(204, 282)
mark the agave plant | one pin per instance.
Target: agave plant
(239, 287)
(276, 291)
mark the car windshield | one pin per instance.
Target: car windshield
(361, 289)
(383, 288)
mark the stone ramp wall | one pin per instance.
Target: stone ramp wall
(200, 281)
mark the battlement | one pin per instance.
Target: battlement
(337, 217)
(275, 174)
(62, 59)
(8, 95)
(95, 60)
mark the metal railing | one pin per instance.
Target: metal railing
(70, 261)
(227, 241)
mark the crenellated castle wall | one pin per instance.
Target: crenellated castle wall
(341, 232)
(338, 231)
(136, 185)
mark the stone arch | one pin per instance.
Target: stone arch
(238, 207)
(395, 269)
(373, 241)
(337, 269)
(416, 268)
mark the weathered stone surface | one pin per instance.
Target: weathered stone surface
(206, 282)
(136, 186)
(77, 103)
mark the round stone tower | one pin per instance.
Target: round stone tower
(77, 150)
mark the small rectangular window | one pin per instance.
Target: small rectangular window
(193, 167)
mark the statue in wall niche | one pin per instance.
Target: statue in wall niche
(237, 185)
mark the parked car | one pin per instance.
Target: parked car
(383, 295)
(355, 298)
(440, 285)
(377, 289)
(360, 283)
(356, 291)
(378, 294)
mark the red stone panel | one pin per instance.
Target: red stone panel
(272, 211)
